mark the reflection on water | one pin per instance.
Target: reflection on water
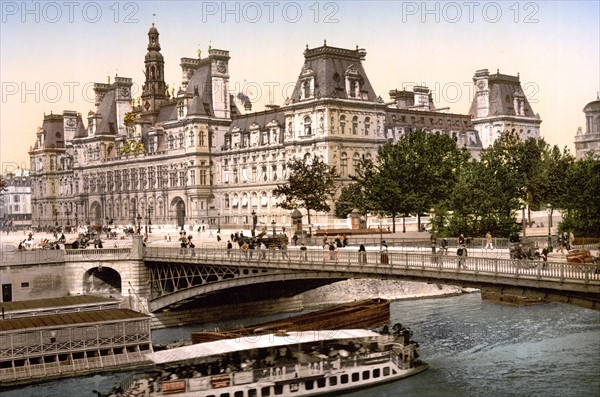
(474, 348)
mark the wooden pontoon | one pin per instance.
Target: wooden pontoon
(366, 313)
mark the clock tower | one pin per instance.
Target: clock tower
(154, 89)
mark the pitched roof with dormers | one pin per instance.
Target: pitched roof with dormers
(503, 89)
(330, 66)
(108, 110)
(262, 119)
(54, 132)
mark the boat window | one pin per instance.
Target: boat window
(224, 394)
(321, 382)
(238, 393)
(278, 389)
(355, 377)
(252, 393)
(376, 373)
(386, 371)
(309, 385)
(333, 380)
(344, 378)
(366, 375)
(265, 391)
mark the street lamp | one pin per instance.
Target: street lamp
(254, 221)
(67, 212)
(139, 219)
(218, 223)
(273, 224)
(55, 217)
(549, 210)
(148, 220)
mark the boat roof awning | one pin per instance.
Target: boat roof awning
(224, 346)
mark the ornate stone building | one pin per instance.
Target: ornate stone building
(15, 200)
(589, 141)
(189, 157)
(500, 105)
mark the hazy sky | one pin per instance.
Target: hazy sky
(52, 52)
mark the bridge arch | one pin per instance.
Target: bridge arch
(102, 280)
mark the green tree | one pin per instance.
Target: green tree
(581, 198)
(310, 185)
(351, 197)
(412, 175)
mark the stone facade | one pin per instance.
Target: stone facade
(15, 201)
(189, 157)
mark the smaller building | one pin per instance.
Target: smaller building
(15, 201)
(71, 343)
(589, 141)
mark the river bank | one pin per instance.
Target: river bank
(355, 289)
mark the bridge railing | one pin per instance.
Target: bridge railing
(380, 262)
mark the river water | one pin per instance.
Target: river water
(474, 348)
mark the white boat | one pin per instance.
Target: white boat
(307, 363)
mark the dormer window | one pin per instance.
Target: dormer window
(353, 80)
(307, 81)
(307, 125)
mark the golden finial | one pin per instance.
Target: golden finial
(167, 90)
(139, 101)
(132, 102)
(199, 52)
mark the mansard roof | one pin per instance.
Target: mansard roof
(80, 131)
(200, 86)
(502, 91)
(108, 110)
(244, 122)
(54, 132)
(167, 113)
(330, 65)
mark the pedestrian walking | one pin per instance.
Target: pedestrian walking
(303, 252)
(284, 251)
(362, 255)
(488, 241)
(245, 249)
(229, 248)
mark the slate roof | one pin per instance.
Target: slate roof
(54, 133)
(244, 122)
(202, 82)
(329, 65)
(108, 110)
(502, 90)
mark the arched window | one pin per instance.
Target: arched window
(226, 201)
(355, 160)
(254, 200)
(171, 141)
(307, 125)
(201, 138)
(354, 125)
(367, 125)
(192, 138)
(344, 164)
(235, 201)
(343, 124)
(264, 200)
(245, 200)
(306, 89)
(181, 140)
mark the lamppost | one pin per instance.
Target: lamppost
(148, 220)
(139, 219)
(549, 210)
(67, 212)
(380, 232)
(273, 224)
(254, 221)
(76, 223)
(55, 211)
(218, 223)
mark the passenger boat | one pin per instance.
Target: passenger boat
(309, 363)
(366, 313)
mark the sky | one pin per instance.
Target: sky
(51, 53)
